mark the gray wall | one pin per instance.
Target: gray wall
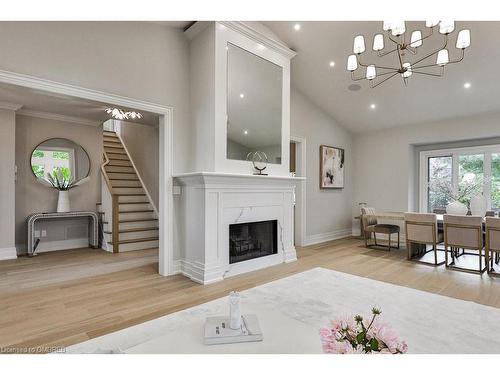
(146, 61)
(33, 197)
(7, 187)
(386, 161)
(328, 212)
(142, 142)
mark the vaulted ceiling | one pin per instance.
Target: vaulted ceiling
(425, 99)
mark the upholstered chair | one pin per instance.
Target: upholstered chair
(463, 232)
(492, 244)
(371, 225)
(422, 229)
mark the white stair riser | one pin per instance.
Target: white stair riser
(113, 168)
(112, 145)
(139, 245)
(132, 198)
(117, 156)
(140, 224)
(120, 190)
(136, 215)
(121, 175)
(125, 163)
(135, 207)
(135, 235)
(128, 183)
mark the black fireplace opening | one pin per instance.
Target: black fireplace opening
(252, 240)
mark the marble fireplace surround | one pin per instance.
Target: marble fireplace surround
(211, 201)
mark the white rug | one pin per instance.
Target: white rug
(291, 311)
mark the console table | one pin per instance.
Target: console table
(93, 232)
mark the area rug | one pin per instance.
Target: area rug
(291, 311)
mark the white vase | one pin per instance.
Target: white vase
(63, 201)
(456, 208)
(478, 205)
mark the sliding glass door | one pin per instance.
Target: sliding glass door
(459, 174)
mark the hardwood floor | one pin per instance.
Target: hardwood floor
(62, 298)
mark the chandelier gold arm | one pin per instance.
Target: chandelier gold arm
(382, 81)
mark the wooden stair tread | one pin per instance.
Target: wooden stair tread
(130, 195)
(114, 146)
(124, 179)
(127, 187)
(145, 239)
(111, 139)
(114, 164)
(134, 211)
(121, 172)
(144, 202)
(134, 230)
(115, 152)
(136, 220)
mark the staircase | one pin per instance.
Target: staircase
(128, 217)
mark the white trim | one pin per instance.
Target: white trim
(58, 117)
(301, 203)
(329, 236)
(165, 151)
(10, 106)
(79, 92)
(166, 218)
(118, 134)
(454, 153)
(7, 253)
(246, 30)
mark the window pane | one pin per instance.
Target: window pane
(439, 182)
(495, 181)
(470, 176)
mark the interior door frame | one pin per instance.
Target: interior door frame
(165, 113)
(300, 190)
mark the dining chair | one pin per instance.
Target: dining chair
(371, 225)
(465, 232)
(422, 229)
(492, 243)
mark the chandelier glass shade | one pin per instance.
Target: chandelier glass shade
(405, 47)
(120, 114)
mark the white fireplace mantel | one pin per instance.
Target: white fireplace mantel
(212, 201)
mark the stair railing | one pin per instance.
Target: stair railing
(115, 231)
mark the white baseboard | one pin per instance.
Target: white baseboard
(329, 236)
(47, 246)
(8, 253)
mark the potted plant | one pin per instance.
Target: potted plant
(61, 180)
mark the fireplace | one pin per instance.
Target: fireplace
(252, 240)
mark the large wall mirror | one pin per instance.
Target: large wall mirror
(60, 155)
(254, 105)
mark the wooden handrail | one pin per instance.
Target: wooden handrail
(115, 231)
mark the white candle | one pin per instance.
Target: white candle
(234, 310)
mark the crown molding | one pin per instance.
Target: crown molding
(58, 117)
(257, 36)
(10, 106)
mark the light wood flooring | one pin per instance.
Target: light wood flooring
(65, 297)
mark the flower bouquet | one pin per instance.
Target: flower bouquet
(356, 335)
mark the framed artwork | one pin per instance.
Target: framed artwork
(331, 169)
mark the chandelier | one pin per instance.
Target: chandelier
(120, 114)
(405, 51)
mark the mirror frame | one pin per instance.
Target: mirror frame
(225, 33)
(49, 139)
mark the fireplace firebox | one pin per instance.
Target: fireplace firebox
(252, 240)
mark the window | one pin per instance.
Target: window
(46, 160)
(439, 172)
(459, 174)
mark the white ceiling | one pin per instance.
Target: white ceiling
(425, 99)
(32, 100)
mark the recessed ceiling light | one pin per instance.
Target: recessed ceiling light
(245, 132)
(242, 95)
(467, 85)
(332, 64)
(296, 27)
(373, 106)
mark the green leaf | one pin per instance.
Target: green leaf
(374, 344)
(360, 338)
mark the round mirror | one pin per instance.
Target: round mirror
(62, 158)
